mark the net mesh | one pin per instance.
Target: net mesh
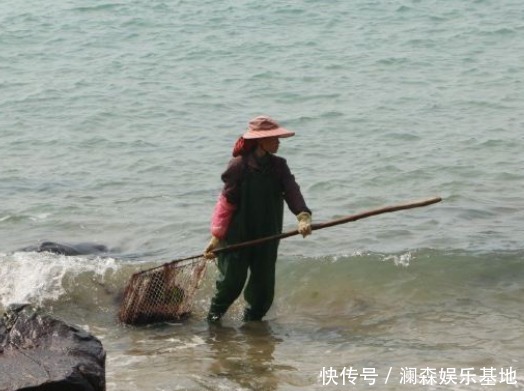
(164, 293)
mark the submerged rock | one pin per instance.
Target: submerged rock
(68, 249)
(41, 353)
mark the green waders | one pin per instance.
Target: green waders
(259, 214)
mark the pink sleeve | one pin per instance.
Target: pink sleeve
(221, 217)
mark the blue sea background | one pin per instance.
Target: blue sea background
(117, 119)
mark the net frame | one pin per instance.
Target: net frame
(162, 294)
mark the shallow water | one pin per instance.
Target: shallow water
(382, 312)
(118, 118)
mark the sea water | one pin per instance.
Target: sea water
(117, 119)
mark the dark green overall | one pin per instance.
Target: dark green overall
(259, 214)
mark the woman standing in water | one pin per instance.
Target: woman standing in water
(250, 206)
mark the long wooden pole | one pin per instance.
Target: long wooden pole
(314, 227)
(343, 220)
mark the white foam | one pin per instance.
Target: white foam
(400, 260)
(40, 216)
(30, 277)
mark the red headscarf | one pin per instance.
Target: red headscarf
(244, 146)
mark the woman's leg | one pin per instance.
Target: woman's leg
(260, 288)
(232, 269)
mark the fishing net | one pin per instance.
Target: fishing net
(164, 293)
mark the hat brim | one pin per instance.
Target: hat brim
(277, 132)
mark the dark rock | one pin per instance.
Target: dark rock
(39, 352)
(68, 249)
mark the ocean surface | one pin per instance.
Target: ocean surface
(117, 119)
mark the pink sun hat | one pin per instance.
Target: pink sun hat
(264, 126)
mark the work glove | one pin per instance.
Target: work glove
(304, 223)
(214, 243)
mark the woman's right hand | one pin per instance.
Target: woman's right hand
(304, 223)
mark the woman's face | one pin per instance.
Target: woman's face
(269, 144)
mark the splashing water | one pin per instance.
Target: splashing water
(38, 277)
(400, 260)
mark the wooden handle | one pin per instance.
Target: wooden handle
(343, 220)
(314, 227)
